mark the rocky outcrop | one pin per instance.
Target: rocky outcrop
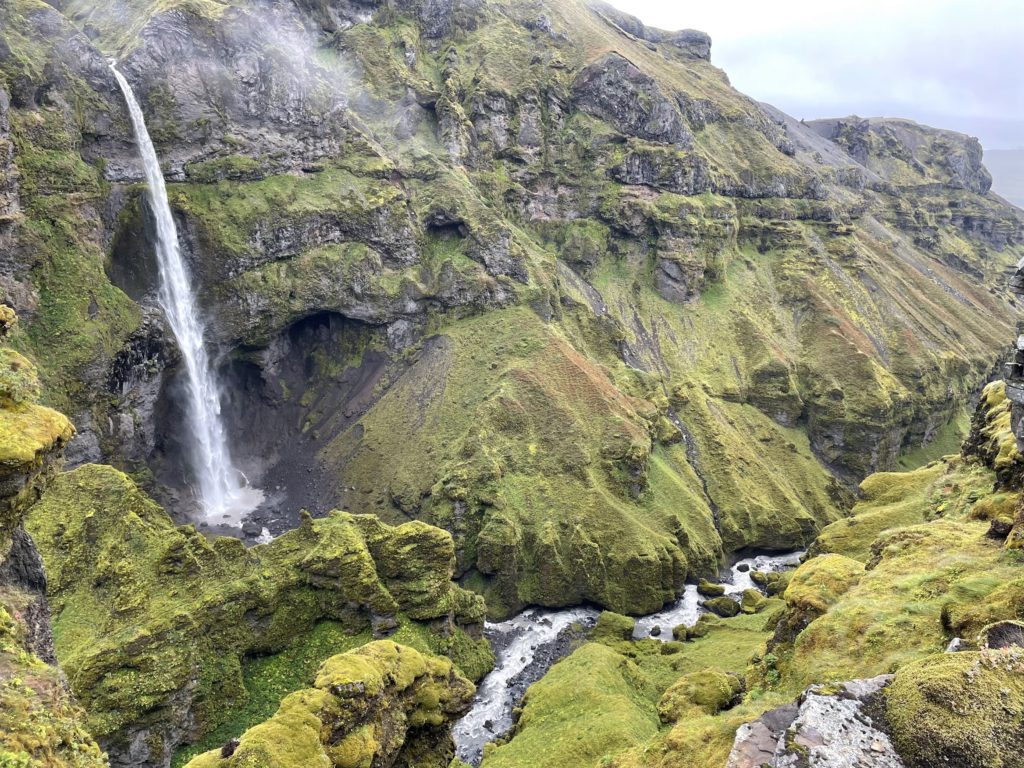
(902, 151)
(616, 90)
(174, 613)
(831, 726)
(690, 42)
(383, 704)
(40, 723)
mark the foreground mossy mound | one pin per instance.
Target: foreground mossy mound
(964, 709)
(152, 621)
(381, 704)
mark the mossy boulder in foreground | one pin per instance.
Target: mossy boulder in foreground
(382, 704)
(707, 691)
(960, 709)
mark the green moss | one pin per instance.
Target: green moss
(363, 707)
(722, 606)
(589, 705)
(709, 589)
(919, 579)
(143, 610)
(708, 691)
(959, 708)
(752, 601)
(821, 581)
(612, 627)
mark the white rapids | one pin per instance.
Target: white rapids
(535, 631)
(687, 608)
(518, 641)
(224, 494)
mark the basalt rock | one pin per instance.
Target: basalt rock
(830, 726)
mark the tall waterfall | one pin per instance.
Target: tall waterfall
(223, 492)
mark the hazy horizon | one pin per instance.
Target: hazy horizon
(939, 63)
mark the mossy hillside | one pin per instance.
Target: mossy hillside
(615, 701)
(538, 410)
(955, 486)
(863, 363)
(32, 436)
(143, 610)
(820, 582)
(40, 724)
(950, 487)
(899, 610)
(369, 706)
(590, 705)
(959, 708)
(117, 28)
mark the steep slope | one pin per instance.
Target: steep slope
(531, 272)
(40, 723)
(899, 635)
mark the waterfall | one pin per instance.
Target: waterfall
(223, 493)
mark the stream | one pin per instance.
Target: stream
(528, 644)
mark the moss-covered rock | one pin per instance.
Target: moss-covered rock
(722, 606)
(964, 709)
(821, 581)
(381, 704)
(709, 691)
(152, 621)
(710, 589)
(613, 626)
(752, 601)
(40, 723)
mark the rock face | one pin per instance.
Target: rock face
(828, 727)
(493, 243)
(40, 723)
(153, 620)
(383, 705)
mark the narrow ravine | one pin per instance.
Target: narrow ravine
(527, 645)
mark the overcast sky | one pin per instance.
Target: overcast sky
(950, 64)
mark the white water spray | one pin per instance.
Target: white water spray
(223, 493)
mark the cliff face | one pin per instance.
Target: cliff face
(40, 723)
(534, 273)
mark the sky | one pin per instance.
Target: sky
(945, 63)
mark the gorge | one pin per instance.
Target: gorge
(469, 382)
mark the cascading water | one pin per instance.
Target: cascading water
(223, 492)
(527, 645)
